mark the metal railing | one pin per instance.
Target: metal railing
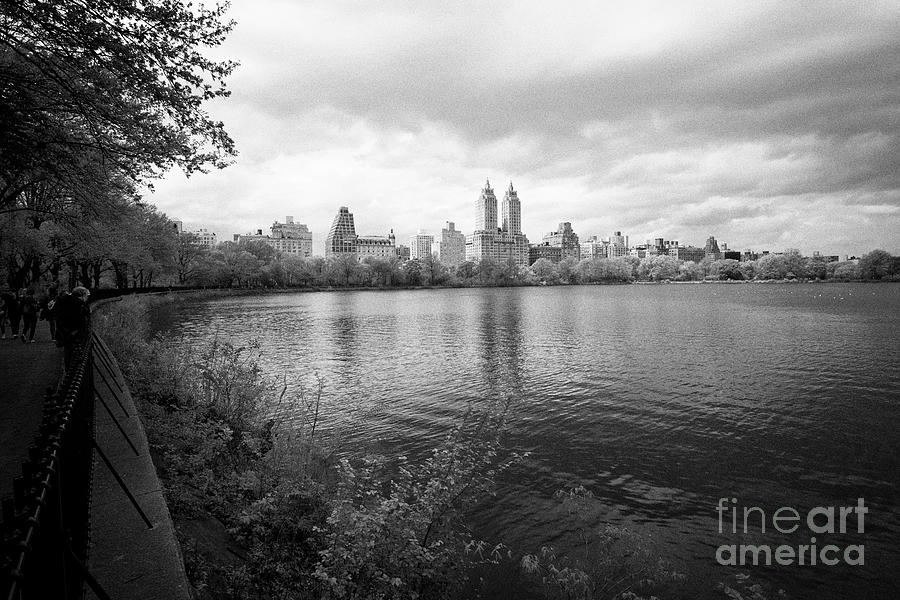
(45, 526)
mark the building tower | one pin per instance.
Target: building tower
(502, 245)
(486, 207)
(618, 245)
(712, 249)
(566, 239)
(420, 245)
(341, 238)
(512, 212)
(452, 247)
(291, 237)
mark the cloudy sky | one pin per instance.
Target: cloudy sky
(766, 124)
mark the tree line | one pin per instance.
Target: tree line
(98, 98)
(141, 248)
(257, 265)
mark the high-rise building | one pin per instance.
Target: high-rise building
(205, 238)
(544, 250)
(420, 245)
(618, 245)
(614, 246)
(201, 237)
(288, 238)
(501, 244)
(451, 249)
(566, 239)
(660, 246)
(341, 238)
(486, 209)
(640, 250)
(593, 247)
(691, 253)
(712, 249)
(377, 246)
(511, 212)
(291, 237)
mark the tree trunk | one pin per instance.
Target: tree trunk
(97, 270)
(85, 275)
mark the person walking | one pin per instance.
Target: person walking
(12, 313)
(3, 316)
(73, 321)
(29, 309)
(47, 304)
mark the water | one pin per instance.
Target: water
(660, 399)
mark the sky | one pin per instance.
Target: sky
(769, 125)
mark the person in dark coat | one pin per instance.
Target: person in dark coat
(12, 313)
(3, 319)
(29, 309)
(47, 304)
(73, 321)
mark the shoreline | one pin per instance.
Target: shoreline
(104, 295)
(318, 289)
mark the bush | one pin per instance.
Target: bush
(611, 563)
(395, 531)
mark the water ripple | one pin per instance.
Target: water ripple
(659, 399)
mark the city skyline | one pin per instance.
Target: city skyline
(765, 124)
(483, 216)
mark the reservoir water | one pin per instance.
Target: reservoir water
(659, 399)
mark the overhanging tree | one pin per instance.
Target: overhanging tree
(111, 86)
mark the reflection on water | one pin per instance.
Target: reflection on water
(660, 399)
(499, 345)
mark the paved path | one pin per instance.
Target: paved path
(26, 371)
(129, 558)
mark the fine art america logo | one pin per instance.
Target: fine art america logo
(818, 521)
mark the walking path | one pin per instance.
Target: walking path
(133, 551)
(26, 371)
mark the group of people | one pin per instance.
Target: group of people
(25, 309)
(67, 314)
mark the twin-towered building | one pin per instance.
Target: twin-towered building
(504, 243)
(498, 236)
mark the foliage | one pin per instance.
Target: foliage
(740, 587)
(658, 268)
(690, 271)
(610, 563)
(95, 99)
(545, 271)
(395, 528)
(879, 264)
(727, 269)
(203, 409)
(115, 83)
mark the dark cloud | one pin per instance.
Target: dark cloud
(780, 105)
